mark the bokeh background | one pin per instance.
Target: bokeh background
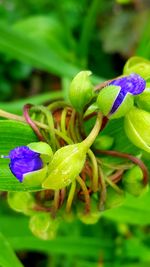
(43, 44)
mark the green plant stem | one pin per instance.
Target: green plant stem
(8, 115)
(64, 137)
(63, 121)
(39, 124)
(114, 186)
(103, 189)
(72, 126)
(93, 134)
(94, 170)
(11, 116)
(86, 193)
(50, 122)
(70, 196)
(57, 105)
(114, 166)
(77, 131)
(56, 200)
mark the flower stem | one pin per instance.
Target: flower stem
(63, 120)
(94, 170)
(70, 196)
(93, 134)
(114, 186)
(11, 116)
(135, 160)
(31, 122)
(85, 191)
(103, 193)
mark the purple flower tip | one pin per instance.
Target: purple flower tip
(24, 160)
(133, 84)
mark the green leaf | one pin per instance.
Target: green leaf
(36, 52)
(7, 256)
(134, 210)
(21, 239)
(24, 48)
(13, 134)
(17, 106)
(47, 29)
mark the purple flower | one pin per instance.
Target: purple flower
(133, 84)
(23, 160)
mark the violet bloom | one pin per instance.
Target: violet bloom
(23, 160)
(133, 84)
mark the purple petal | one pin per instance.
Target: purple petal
(133, 84)
(22, 152)
(24, 160)
(118, 101)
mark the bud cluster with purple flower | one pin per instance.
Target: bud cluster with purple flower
(68, 163)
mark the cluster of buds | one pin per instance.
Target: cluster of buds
(67, 165)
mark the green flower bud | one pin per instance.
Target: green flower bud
(106, 99)
(103, 142)
(43, 226)
(91, 217)
(43, 149)
(37, 177)
(137, 128)
(92, 108)
(133, 182)
(81, 90)
(143, 100)
(65, 166)
(114, 199)
(68, 161)
(21, 202)
(137, 65)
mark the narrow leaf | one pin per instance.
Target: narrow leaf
(7, 256)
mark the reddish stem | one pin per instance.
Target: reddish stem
(26, 109)
(116, 177)
(129, 157)
(106, 83)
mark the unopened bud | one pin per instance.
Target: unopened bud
(81, 90)
(43, 226)
(21, 202)
(138, 65)
(65, 166)
(114, 199)
(133, 181)
(137, 128)
(103, 142)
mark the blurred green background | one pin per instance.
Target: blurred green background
(43, 44)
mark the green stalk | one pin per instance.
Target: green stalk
(63, 121)
(94, 170)
(114, 186)
(93, 134)
(86, 193)
(70, 196)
